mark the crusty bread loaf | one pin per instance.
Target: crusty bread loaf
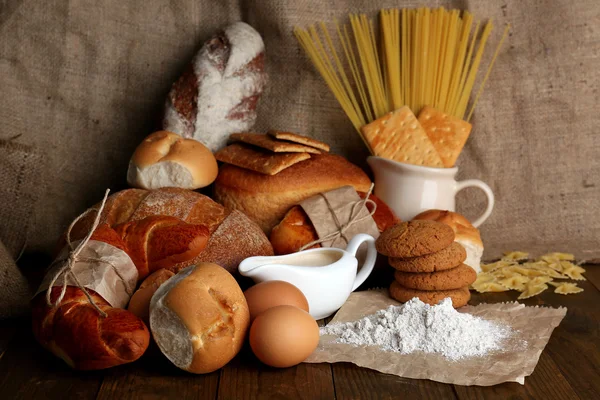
(266, 199)
(227, 249)
(199, 318)
(165, 159)
(296, 230)
(218, 93)
(466, 234)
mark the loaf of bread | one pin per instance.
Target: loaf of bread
(199, 318)
(218, 93)
(77, 333)
(225, 247)
(163, 228)
(465, 234)
(165, 159)
(266, 198)
(296, 230)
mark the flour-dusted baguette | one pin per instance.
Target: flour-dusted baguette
(218, 93)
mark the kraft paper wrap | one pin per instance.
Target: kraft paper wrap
(341, 202)
(99, 277)
(86, 81)
(535, 325)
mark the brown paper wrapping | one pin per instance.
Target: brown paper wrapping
(322, 207)
(522, 351)
(99, 276)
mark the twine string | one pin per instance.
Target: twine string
(353, 219)
(74, 256)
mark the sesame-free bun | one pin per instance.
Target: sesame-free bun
(199, 318)
(466, 233)
(267, 198)
(165, 159)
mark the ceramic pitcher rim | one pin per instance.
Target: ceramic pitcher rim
(417, 168)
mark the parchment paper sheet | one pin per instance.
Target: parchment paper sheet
(100, 277)
(342, 201)
(522, 351)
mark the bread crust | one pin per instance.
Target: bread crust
(265, 199)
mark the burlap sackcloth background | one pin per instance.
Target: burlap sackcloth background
(85, 81)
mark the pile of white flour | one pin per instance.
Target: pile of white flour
(416, 326)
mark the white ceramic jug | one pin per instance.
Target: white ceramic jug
(325, 275)
(411, 189)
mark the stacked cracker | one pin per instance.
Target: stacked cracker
(429, 264)
(435, 139)
(269, 153)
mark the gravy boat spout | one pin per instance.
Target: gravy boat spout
(261, 268)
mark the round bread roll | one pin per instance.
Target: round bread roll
(465, 234)
(266, 198)
(199, 318)
(140, 301)
(165, 159)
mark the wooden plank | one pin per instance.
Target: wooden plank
(27, 371)
(245, 377)
(592, 273)
(154, 377)
(546, 381)
(352, 382)
(570, 363)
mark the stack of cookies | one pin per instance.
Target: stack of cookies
(428, 262)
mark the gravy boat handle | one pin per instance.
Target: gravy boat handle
(369, 263)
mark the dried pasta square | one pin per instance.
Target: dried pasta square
(574, 272)
(566, 288)
(489, 287)
(532, 290)
(517, 282)
(496, 265)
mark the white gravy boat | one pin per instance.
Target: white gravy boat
(325, 275)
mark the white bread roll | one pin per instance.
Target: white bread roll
(199, 318)
(165, 159)
(466, 234)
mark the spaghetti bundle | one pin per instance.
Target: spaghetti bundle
(421, 57)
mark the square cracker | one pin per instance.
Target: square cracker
(398, 136)
(447, 133)
(258, 160)
(270, 143)
(294, 137)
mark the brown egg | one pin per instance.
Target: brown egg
(270, 294)
(284, 336)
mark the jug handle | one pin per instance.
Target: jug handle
(369, 263)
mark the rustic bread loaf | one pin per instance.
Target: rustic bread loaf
(218, 93)
(227, 249)
(266, 199)
(199, 318)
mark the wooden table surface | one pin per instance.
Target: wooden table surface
(569, 368)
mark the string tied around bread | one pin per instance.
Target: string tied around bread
(74, 256)
(353, 219)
